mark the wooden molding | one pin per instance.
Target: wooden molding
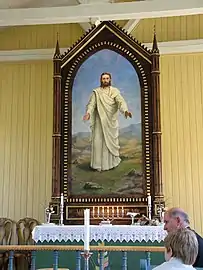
(171, 47)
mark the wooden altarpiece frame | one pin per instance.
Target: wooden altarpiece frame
(107, 35)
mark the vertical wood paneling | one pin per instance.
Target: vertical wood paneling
(39, 36)
(26, 118)
(170, 28)
(26, 138)
(26, 131)
(182, 126)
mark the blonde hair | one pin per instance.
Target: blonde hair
(183, 244)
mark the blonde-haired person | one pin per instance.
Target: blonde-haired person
(181, 249)
(175, 218)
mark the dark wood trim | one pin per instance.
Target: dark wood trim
(156, 134)
(56, 138)
(110, 36)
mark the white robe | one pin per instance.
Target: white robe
(103, 107)
(174, 264)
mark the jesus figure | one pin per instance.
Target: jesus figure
(102, 110)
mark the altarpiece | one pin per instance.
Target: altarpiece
(135, 72)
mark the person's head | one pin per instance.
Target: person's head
(175, 218)
(105, 79)
(181, 244)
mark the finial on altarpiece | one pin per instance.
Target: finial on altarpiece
(155, 45)
(57, 48)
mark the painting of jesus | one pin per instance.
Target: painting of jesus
(102, 110)
(106, 127)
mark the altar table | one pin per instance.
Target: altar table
(99, 233)
(106, 235)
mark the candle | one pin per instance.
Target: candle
(87, 229)
(149, 200)
(149, 207)
(62, 199)
(103, 211)
(122, 211)
(107, 211)
(93, 212)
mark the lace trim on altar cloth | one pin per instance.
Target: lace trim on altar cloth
(99, 233)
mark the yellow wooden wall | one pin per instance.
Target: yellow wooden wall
(25, 138)
(26, 121)
(39, 36)
(26, 93)
(170, 29)
(182, 127)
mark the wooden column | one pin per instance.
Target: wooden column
(56, 138)
(156, 135)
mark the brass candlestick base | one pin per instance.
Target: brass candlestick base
(86, 255)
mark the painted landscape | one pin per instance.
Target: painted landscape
(125, 179)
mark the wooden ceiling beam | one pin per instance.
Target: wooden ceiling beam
(104, 12)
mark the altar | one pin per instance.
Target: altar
(110, 235)
(134, 187)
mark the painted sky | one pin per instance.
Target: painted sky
(124, 77)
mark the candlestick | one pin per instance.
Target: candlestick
(107, 215)
(61, 209)
(149, 207)
(98, 211)
(93, 212)
(62, 201)
(103, 211)
(48, 212)
(86, 255)
(149, 198)
(160, 211)
(107, 212)
(61, 215)
(162, 217)
(86, 230)
(117, 211)
(112, 211)
(122, 212)
(132, 215)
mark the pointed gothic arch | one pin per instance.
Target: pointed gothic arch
(108, 35)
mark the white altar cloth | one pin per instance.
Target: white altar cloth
(99, 233)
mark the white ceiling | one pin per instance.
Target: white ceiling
(5, 4)
(37, 12)
(28, 4)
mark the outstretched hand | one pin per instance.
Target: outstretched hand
(128, 114)
(86, 117)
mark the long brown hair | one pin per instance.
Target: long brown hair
(105, 73)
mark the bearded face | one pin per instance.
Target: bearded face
(105, 80)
